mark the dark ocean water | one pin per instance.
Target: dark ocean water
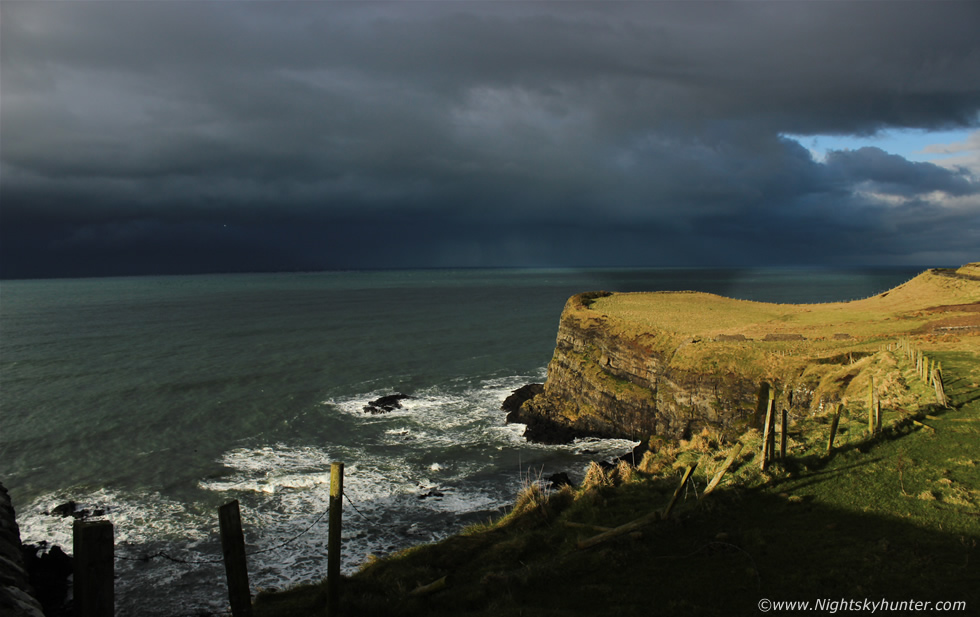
(158, 399)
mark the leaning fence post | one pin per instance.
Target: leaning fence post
(937, 380)
(334, 538)
(833, 429)
(768, 436)
(680, 487)
(94, 568)
(233, 548)
(724, 468)
(871, 407)
(783, 422)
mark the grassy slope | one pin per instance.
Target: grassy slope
(895, 517)
(903, 309)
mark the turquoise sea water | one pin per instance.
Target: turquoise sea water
(158, 399)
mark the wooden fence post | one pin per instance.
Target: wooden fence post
(772, 427)
(677, 493)
(833, 429)
(233, 549)
(334, 538)
(783, 422)
(871, 407)
(724, 468)
(937, 379)
(94, 568)
(761, 402)
(768, 435)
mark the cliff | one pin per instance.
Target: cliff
(16, 594)
(673, 363)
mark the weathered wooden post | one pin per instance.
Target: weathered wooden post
(677, 493)
(878, 416)
(940, 390)
(768, 435)
(772, 427)
(871, 407)
(761, 402)
(94, 568)
(833, 429)
(724, 468)
(334, 538)
(233, 549)
(783, 422)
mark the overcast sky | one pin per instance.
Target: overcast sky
(187, 136)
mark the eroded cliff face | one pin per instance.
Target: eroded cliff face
(603, 383)
(674, 363)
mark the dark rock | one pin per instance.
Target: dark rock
(386, 403)
(559, 480)
(545, 431)
(49, 572)
(545, 426)
(540, 428)
(512, 404)
(432, 493)
(64, 510)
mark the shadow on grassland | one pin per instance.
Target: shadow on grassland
(721, 558)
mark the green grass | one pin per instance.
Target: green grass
(895, 517)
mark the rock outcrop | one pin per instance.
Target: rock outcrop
(601, 383)
(386, 404)
(16, 594)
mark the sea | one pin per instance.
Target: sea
(152, 401)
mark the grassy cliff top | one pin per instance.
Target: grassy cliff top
(937, 301)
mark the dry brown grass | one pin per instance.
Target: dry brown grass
(596, 478)
(623, 474)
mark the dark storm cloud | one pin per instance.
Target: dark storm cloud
(896, 175)
(331, 134)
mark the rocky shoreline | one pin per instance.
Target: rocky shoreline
(543, 430)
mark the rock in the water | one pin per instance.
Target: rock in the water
(545, 431)
(65, 510)
(385, 404)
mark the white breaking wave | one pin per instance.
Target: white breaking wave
(415, 475)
